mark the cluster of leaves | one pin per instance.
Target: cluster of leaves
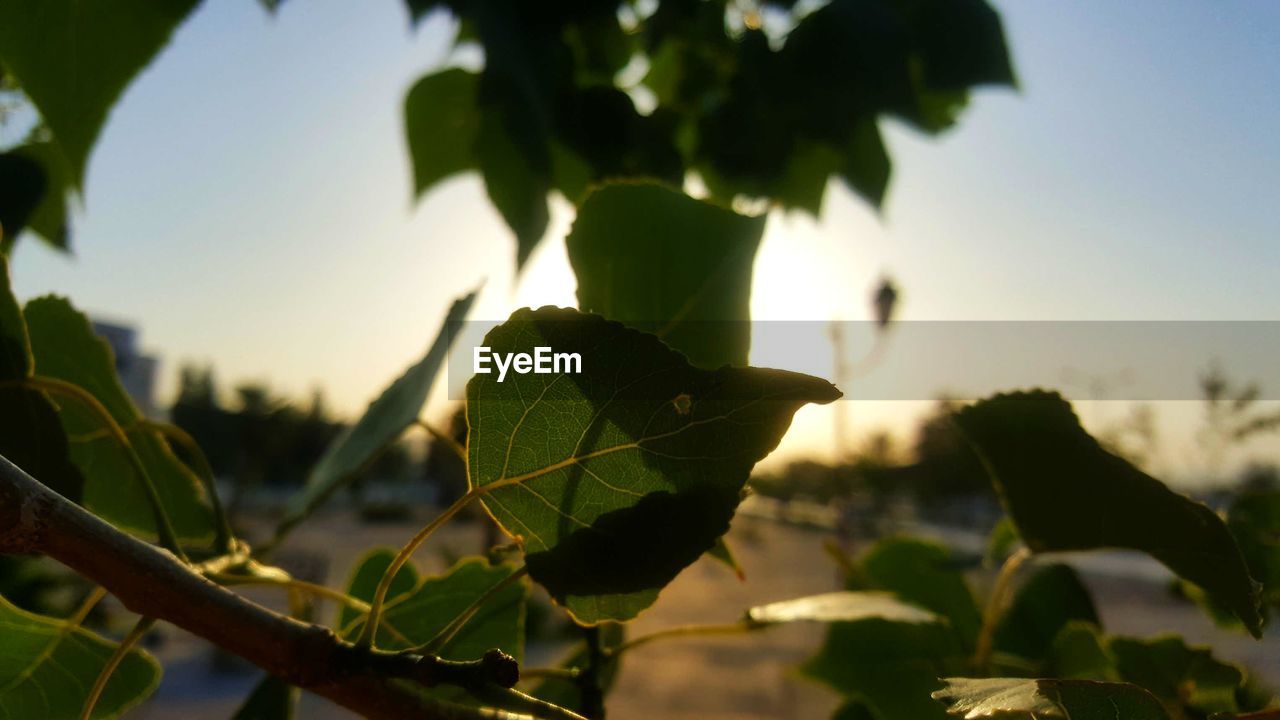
(1045, 653)
(758, 100)
(614, 480)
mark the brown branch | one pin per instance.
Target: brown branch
(153, 583)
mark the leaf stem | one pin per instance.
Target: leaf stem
(995, 605)
(370, 630)
(303, 586)
(224, 538)
(443, 637)
(443, 437)
(679, 631)
(54, 386)
(139, 629)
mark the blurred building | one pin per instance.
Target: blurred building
(137, 371)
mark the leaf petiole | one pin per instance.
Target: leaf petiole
(370, 630)
(126, 644)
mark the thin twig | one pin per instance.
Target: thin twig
(680, 631)
(995, 604)
(151, 582)
(370, 630)
(126, 644)
(443, 437)
(224, 538)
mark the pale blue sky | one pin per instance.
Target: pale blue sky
(249, 202)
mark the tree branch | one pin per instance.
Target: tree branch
(152, 582)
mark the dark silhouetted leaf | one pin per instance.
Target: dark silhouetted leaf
(49, 219)
(31, 435)
(441, 121)
(73, 59)
(22, 186)
(660, 261)
(387, 417)
(515, 159)
(48, 667)
(923, 573)
(1011, 699)
(65, 347)
(1065, 492)
(617, 478)
(1254, 520)
(1079, 653)
(1177, 673)
(418, 609)
(1052, 597)
(271, 699)
(890, 667)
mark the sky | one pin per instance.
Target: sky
(249, 203)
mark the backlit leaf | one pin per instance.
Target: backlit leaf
(658, 260)
(419, 608)
(441, 121)
(1065, 492)
(65, 347)
(846, 606)
(48, 666)
(73, 59)
(386, 418)
(617, 478)
(1011, 699)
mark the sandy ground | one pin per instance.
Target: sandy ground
(708, 678)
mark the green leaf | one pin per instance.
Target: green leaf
(65, 347)
(516, 163)
(890, 667)
(846, 606)
(387, 417)
(658, 260)
(617, 478)
(1065, 492)
(74, 58)
(1001, 542)
(49, 220)
(418, 609)
(1178, 674)
(1079, 653)
(22, 187)
(866, 165)
(441, 123)
(1254, 520)
(1010, 699)
(48, 666)
(31, 435)
(923, 573)
(271, 699)
(1052, 597)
